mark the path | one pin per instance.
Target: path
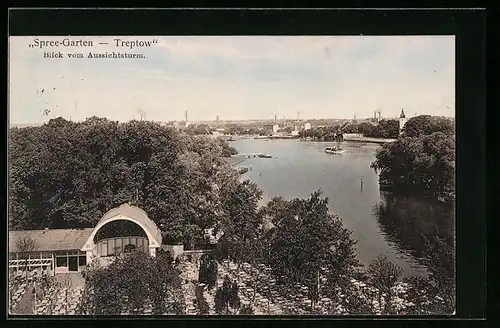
(27, 302)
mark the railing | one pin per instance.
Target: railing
(30, 263)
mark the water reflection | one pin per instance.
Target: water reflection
(407, 220)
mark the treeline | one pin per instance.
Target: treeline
(423, 158)
(67, 175)
(230, 129)
(384, 129)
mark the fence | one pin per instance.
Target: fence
(31, 263)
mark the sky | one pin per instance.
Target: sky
(235, 78)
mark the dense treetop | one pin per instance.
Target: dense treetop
(67, 175)
(422, 158)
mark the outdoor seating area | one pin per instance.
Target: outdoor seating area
(271, 298)
(17, 287)
(189, 275)
(59, 300)
(245, 278)
(257, 288)
(20, 282)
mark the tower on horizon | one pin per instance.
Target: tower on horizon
(402, 121)
(186, 116)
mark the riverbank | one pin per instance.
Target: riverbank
(355, 139)
(368, 140)
(346, 138)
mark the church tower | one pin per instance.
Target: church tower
(402, 121)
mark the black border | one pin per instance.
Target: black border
(467, 25)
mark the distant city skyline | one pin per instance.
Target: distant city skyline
(237, 78)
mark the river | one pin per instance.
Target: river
(382, 222)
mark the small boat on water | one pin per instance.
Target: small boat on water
(243, 170)
(265, 156)
(334, 150)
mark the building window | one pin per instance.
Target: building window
(82, 260)
(104, 248)
(61, 261)
(111, 247)
(118, 246)
(46, 255)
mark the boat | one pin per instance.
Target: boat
(334, 150)
(265, 156)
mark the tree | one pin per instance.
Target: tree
(388, 128)
(130, 283)
(25, 245)
(365, 128)
(227, 151)
(226, 297)
(240, 221)
(351, 128)
(426, 162)
(307, 241)
(383, 274)
(421, 293)
(440, 259)
(208, 270)
(201, 301)
(426, 124)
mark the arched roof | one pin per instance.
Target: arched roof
(129, 213)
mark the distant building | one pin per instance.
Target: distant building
(295, 133)
(307, 126)
(276, 128)
(402, 121)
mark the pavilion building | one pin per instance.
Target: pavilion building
(120, 230)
